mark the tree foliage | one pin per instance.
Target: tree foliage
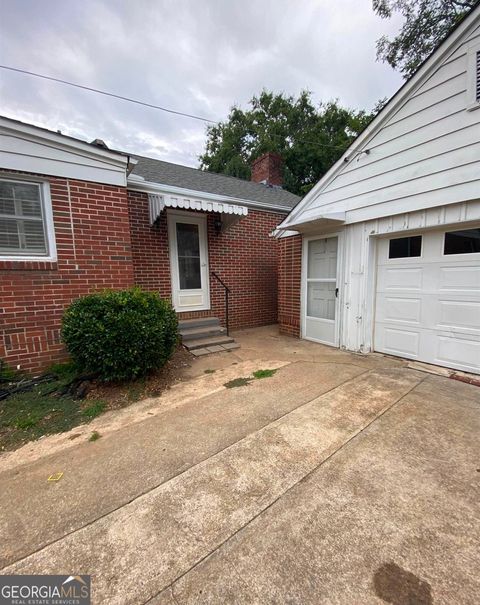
(427, 23)
(309, 138)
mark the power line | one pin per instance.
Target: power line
(151, 105)
(107, 94)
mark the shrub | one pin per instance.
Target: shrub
(120, 334)
(6, 373)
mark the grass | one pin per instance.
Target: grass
(6, 373)
(237, 382)
(263, 374)
(209, 371)
(242, 382)
(47, 408)
(95, 436)
(94, 410)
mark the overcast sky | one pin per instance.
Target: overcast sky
(196, 56)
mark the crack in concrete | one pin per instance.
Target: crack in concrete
(203, 460)
(302, 480)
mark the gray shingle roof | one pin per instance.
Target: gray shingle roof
(165, 173)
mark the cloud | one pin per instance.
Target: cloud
(196, 57)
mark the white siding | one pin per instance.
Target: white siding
(29, 149)
(427, 153)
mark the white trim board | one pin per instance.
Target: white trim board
(35, 150)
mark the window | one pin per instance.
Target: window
(405, 247)
(23, 221)
(462, 242)
(473, 78)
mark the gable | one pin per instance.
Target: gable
(35, 150)
(422, 150)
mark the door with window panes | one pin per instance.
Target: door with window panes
(320, 299)
(189, 261)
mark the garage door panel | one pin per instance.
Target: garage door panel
(428, 307)
(459, 278)
(401, 341)
(401, 310)
(459, 314)
(401, 278)
(454, 351)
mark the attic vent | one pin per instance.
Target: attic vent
(473, 78)
(477, 77)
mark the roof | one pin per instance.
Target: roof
(359, 144)
(166, 173)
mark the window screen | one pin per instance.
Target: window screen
(22, 224)
(462, 242)
(405, 247)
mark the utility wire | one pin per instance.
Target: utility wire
(150, 105)
(107, 94)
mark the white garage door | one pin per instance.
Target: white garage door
(428, 298)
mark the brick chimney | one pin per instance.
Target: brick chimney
(267, 169)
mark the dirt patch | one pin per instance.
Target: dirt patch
(468, 379)
(63, 401)
(118, 395)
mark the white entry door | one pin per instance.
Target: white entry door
(320, 290)
(189, 261)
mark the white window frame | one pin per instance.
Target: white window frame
(472, 101)
(46, 202)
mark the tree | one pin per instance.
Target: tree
(427, 23)
(309, 138)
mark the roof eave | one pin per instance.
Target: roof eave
(61, 141)
(384, 115)
(150, 187)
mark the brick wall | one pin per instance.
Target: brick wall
(34, 294)
(114, 247)
(289, 285)
(245, 257)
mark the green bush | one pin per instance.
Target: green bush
(120, 334)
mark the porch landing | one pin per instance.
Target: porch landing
(205, 335)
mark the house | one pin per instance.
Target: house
(383, 254)
(76, 217)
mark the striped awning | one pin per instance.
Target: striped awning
(157, 203)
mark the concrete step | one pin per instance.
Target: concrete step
(204, 343)
(230, 346)
(203, 332)
(200, 322)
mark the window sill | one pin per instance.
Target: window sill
(28, 259)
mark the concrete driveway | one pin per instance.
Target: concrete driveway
(341, 479)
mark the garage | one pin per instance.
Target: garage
(427, 303)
